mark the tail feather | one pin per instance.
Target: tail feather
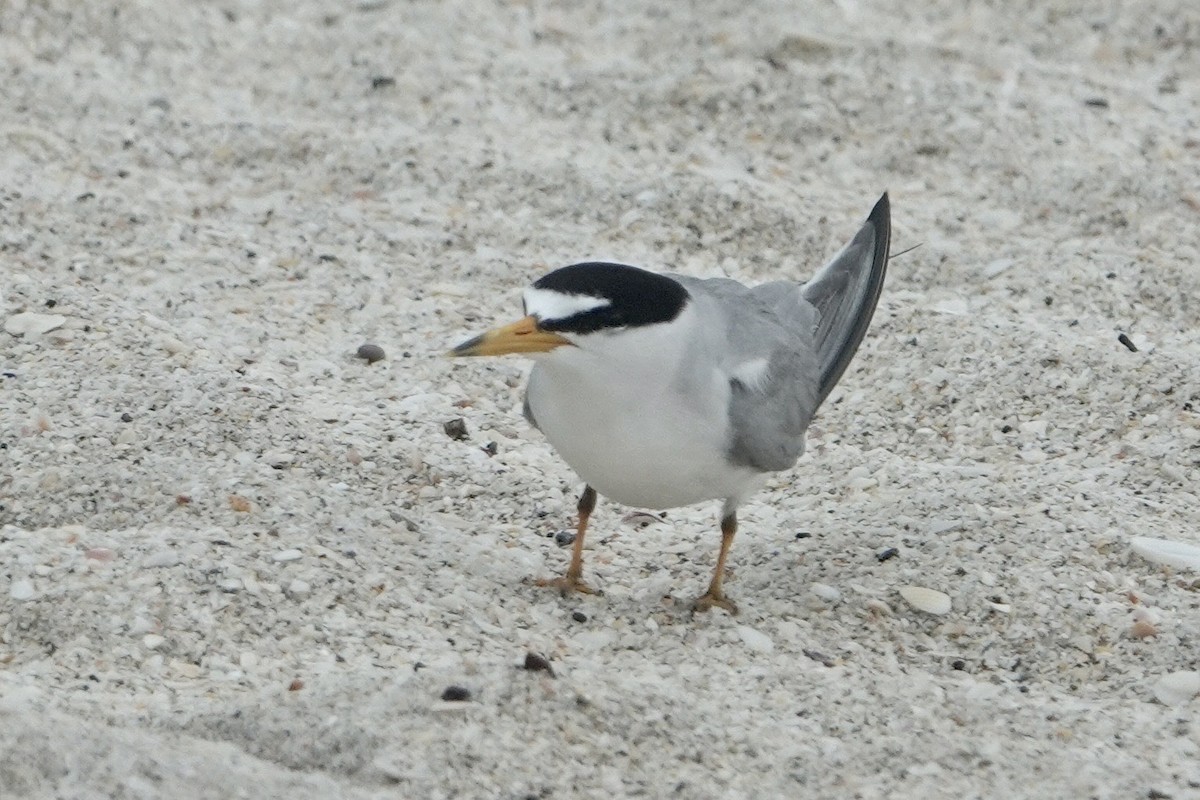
(845, 292)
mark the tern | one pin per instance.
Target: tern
(663, 390)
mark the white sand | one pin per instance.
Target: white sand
(223, 207)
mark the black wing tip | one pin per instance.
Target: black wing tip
(880, 221)
(881, 213)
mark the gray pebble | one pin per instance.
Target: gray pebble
(370, 352)
(456, 429)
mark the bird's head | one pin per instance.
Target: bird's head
(581, 305)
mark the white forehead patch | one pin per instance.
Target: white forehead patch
(548, 304)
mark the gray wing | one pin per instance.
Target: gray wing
(785, 347)
(766, 347)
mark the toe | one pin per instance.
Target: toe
(710, 601)
(566, 585)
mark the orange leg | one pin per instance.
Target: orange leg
(715, 596)
(573, 580)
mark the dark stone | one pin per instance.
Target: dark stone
(537, 663)
(456, 694)
(456, 429)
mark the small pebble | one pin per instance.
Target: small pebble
(754, 640)
(370, 353)
(887, 554)
(564, 538)
(456, 694)
(456, 429)
(579, 616)
(931, 601)
(288, 555)
(21, 590)
(1177, 688)
(296, 685)
(1129, 345)
(299, 588)
(127, 417)
(639, 519)
(826, 592)
(537, 663)
(239, 503)
(803, 535)
(1143, 629)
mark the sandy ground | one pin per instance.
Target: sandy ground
(237, 561)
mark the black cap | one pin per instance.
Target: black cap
(634, 297)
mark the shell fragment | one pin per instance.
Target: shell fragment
(1179, 555)
(1177, 688)
(931, 601)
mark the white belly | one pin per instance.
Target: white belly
(638, 443)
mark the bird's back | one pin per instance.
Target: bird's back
(785, 346)
(764, 337)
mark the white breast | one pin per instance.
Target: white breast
(641, 417)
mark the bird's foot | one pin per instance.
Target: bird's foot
(718, 599)
(567, 584)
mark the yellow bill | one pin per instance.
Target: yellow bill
(522, 336)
